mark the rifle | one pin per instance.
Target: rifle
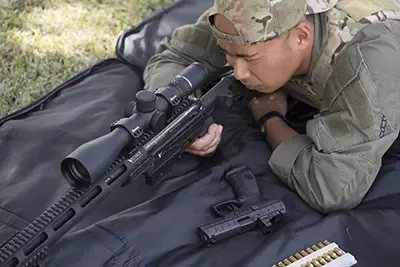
(246, 212)
(161, 126)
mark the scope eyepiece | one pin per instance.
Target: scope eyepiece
(191, 78)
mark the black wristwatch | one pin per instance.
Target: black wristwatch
(266, 117)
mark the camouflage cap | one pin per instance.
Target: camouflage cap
(262, 20)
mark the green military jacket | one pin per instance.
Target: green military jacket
(354, 81)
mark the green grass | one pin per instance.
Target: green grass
(45, 42)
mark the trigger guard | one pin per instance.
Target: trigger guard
(229, 205)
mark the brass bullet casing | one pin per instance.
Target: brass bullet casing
(316, 263)
(298, 256)
(287, 262)
(326, 242)
(303, 253)
(314, 247)
(322, 260)
(332, 254)
(338, 252)
(309, 250)
(318, 255)
(327, 257)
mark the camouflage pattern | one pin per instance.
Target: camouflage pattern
(353, 80)
(262, 20)
(336, 163)
(343, 23)
(343, 28)
(355, 90)
(319, 6)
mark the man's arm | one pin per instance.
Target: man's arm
(187, 44)
(278, 131)
(335, 164)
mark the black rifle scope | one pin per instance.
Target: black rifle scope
(151, 111)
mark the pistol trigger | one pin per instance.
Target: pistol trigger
(231, 207)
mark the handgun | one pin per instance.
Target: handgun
(246, 212)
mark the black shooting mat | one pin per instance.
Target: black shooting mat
(140, 225)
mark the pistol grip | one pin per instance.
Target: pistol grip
(205, 127)
(243, 183)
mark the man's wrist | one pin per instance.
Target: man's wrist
(272, 115)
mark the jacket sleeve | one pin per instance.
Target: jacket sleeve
(335, 163)
(187, 44)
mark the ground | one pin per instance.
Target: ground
(45, 42)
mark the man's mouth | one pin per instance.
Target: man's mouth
(251, 86)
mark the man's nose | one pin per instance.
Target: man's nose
(240, 70)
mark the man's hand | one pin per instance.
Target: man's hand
(277, 130)
(276, 101)
(207, 143)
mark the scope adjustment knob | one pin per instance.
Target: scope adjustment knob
(145, 101)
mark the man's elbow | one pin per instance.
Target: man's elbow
(334, 202)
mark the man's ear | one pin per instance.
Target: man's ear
(302, 35)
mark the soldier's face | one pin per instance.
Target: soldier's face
(264, 67)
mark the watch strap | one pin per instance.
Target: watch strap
(269, 115)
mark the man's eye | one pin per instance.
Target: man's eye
(253, 59)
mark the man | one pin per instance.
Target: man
(340, 57)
